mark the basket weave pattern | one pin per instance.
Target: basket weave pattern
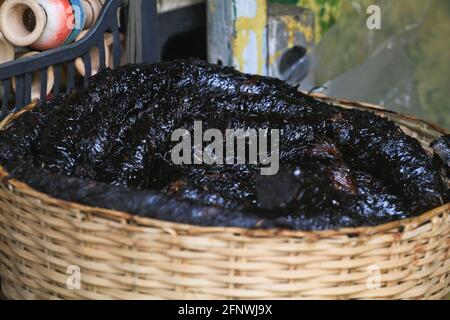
(126, 257)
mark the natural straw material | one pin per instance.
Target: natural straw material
(126, 257)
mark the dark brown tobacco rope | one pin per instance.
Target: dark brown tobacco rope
(109, 146)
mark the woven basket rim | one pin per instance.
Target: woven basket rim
(173, 227)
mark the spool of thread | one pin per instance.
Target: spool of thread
(41, 24)
(22, 22)
(36, 79)
(6, 50)
(79, 19)
(59, 24)
(95, 56)
(92, 10)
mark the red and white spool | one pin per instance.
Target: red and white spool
(41, 24)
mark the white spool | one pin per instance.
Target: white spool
(13, 22)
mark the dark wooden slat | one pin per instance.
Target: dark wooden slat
(19, 103)
(70, 76)
(27, 88)
(6, 91)
(117, 46)
(58, 79)
(87, 67)
(124, 13)
(150, 33)
(43, 78)
(101, 53)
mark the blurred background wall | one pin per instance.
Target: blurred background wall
(404, 66)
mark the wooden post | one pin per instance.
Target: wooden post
(237, 34)
(291, 38)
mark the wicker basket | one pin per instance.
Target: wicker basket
(125, 257)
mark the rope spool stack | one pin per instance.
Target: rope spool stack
(46, 24)
(40, 24)
(91, 10)
(30, 26)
